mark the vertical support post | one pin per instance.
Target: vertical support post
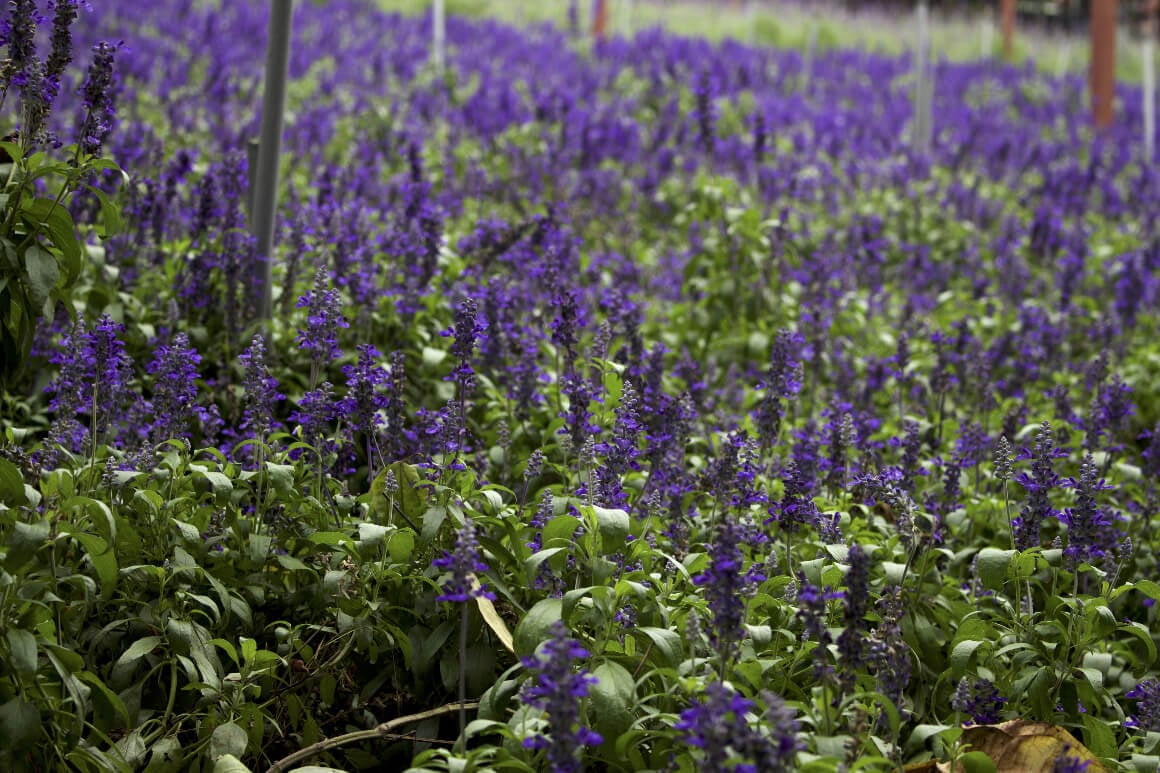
(438, 35)
(627, 17)
(1149, 85)
(810, 53)
(1103, 69)
(923, 87)
(1007, 22)
(265, 193)
(599, 19)
(987, 36)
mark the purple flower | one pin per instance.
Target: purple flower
(174, 371)
(979, 700)
(464, 563)
(727, 585)
(259, 390)
(365, 398)
(852, 639)
(719, 726)
(1091, 533)
(323, 320)
(556, 688)
(812, 609)
(64, 14)
(1038, 485)
(1147, 697)
(782, 382)
(98, 96)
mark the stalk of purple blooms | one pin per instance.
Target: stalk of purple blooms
(464, 563)
(719, 726)
(556, 688)
(726, 586)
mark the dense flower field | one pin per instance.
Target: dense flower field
(644, 407)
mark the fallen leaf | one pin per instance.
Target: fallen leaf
(492, 618)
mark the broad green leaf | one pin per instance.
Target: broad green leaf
(993, 566)
(21, 722)
(533, 627)
(11, 485)
(614, 526)
(610, 700)
(227, 739)
(43, 274)
(666, 645)
(22, 645)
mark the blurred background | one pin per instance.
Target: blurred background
(1053, 34)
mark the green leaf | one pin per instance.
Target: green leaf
(21, 722)
(137, 650)
(228, 763)
(610, 700)
(58, 224)
(533, 627)
(23, 542)
(11, 485)
(977, 762)
(111, 222)
(227, 739)
(109, 711)
(43, 274)
(993, 566)
(1099, 738)
(22, 645)
(613, 525)
(666, 644)
(103, 557)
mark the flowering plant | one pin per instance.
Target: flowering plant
(42, 256)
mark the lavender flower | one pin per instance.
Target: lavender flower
(719, 726)
(323, 320)
(782, 382)
(64, 14)
(727, 586)
(811, 602)
(365, 398)
(174, 371)
(556, 689)
(1147, 697)
(852, 639)
(464, 563)
(979, 700)
(98, 96)
(468, 329)
(259, 390)
(1091, 534)
(1038, 485)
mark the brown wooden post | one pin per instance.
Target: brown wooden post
(1103, 72)
(1007, 22)
(599, 19)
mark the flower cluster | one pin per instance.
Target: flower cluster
(556, 688)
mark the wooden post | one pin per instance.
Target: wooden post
(599, 19)
(1007, 22)
(265, 193)
(1103, 69)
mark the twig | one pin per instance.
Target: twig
(382, 731)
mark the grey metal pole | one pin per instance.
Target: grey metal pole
(923, 86)
(265, 194)
(438, 35)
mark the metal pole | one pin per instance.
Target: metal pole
(1103, 72)
(438, 35)
(923, 88)
(1007, 21)
(265, 195)
(1149, 91)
